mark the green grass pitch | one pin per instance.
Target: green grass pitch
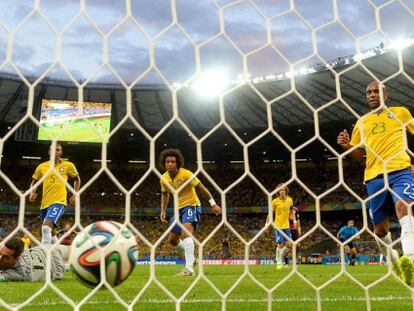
(294, 294)
(79, 130)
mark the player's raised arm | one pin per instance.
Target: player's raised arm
(165, 199)
(207, 196)
(344, 141)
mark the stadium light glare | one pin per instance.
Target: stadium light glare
(31, 158)
(400, 44)
(211, 83)
(356, 57)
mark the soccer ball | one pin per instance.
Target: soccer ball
(119, 249)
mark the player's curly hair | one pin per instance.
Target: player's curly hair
(15, 244)
(172, 153)
(280, 187)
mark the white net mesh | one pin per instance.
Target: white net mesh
(177, 55)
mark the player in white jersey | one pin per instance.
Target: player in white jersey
(17, 264)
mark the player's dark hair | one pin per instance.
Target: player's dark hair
(172, 153)
(57, 144)
(15, 244)
(384, 89)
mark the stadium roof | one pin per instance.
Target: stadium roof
(244, 110)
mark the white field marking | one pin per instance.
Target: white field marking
(50, 302)
(354, 275)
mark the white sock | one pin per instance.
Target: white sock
(387, 240)
(55, 239)
(189, 253)
(46, 234)
(283, 252)
(180, 247)
(279, 256)
(407, 236)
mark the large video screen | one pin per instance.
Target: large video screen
(80, 122)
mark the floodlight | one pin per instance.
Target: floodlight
(211, 83)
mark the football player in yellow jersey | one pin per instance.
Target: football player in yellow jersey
(54, 192)
(383, 143)
(188, 204)
(281, 206)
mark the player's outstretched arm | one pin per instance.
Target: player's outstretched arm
(33, 194)
(207, 196)
(165, 199)
(343, 140)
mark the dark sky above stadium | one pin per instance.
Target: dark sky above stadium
(209, 35)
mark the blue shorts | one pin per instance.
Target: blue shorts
(383, 204)
(52, 213)
(188, 214)
(350, 244)
(280, 238)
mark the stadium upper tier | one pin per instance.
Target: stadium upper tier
(152, 104)
(331, 90)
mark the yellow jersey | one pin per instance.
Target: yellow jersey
(384, 137)
(26, 240)
(54, 189)
(281, 211)
(187, 195)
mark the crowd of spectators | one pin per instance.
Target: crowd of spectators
(245, 193)
(240, 230)
(103, 192)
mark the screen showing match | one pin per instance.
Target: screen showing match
(66, 120)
